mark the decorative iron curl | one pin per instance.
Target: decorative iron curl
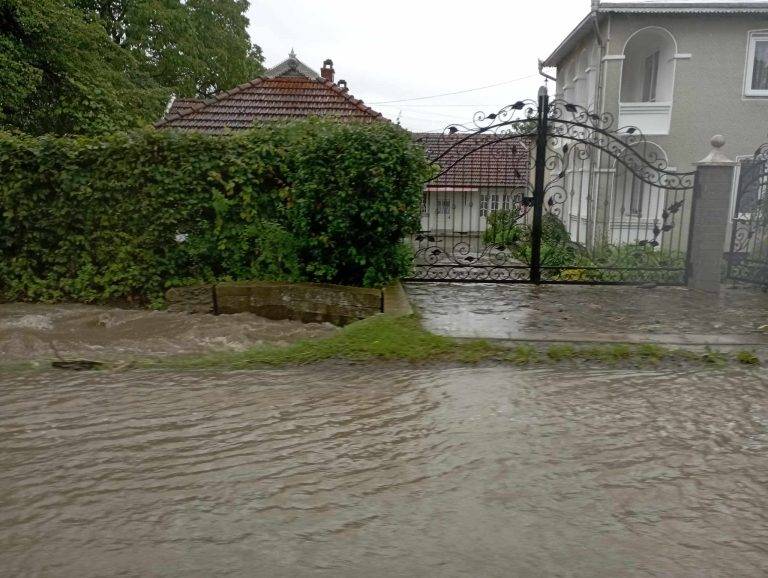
(460, 255)
(521, 111)
(626, 145)
(762, 153)
(560, 110)
(471, 274)
(743, 234)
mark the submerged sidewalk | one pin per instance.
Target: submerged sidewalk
(597, 314)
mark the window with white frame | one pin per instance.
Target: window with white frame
(444, 207)
(483, 205)
(757, 65)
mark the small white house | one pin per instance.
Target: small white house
(477, 175)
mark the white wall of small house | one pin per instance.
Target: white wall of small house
(463, 209)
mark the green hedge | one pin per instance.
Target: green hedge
(97, 219)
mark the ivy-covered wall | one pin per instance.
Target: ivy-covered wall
(128, 215)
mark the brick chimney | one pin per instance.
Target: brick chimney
(327, 71)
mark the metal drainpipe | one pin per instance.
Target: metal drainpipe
(544, 74)
(591, 236)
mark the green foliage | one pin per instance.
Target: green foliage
(95, 66)
(386, 337)
(382, 337)
(193, 48)
(714, 357)
(626, 257)
(349, 211)
(567, 260)
(748, 358)
(504, 228)
(60, 73)
(95, 219)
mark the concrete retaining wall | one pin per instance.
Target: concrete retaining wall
(307, 302)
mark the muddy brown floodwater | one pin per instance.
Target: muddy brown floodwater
(33, 332)
(388, 471)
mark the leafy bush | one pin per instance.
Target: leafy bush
(570, 261)
(504, 228)
(127, 215)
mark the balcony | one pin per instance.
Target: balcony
(652, 118)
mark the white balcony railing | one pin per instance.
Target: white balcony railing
(652, 118)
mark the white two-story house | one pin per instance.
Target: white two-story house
(681, 73)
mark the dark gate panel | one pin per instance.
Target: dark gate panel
(748, 255)
(547, 192)
(480, 194)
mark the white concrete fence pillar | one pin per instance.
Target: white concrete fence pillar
(709, 218)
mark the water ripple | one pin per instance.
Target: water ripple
(385, 471)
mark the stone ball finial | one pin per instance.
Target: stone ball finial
(716, 156)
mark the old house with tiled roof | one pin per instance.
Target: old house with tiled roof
(483, 178)
(288, 91)
(477, 176)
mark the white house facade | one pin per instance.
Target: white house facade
(679, 72)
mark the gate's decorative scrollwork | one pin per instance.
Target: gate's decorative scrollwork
(748, 255)
(611, 210)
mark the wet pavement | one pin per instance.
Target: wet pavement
(391, 471)
(673, 315)
(36, 331)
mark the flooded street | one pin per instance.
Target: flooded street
(384, 471)
(592, 313)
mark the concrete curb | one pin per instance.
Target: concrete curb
(281, 300)
(694, 340)
(395, 301)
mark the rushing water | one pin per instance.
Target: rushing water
(44, 332)
(384, 472)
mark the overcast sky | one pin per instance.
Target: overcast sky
(397, 50)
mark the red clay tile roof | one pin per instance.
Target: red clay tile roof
(481, 160)
(180, 105)
(267, 99)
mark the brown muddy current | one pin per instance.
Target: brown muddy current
(352, 471)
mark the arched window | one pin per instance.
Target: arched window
(649, 66)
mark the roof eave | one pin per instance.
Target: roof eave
(687, 8)
(582, 29)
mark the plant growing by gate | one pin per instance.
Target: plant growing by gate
(504, 228)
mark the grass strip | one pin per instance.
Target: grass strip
(388, 338)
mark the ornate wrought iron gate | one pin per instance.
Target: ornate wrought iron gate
(548, 192)
(748, 256)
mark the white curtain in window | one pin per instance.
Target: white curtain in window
(760, 67)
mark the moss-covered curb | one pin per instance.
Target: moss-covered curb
(392, 338)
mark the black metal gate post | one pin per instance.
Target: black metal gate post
(539, 185)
